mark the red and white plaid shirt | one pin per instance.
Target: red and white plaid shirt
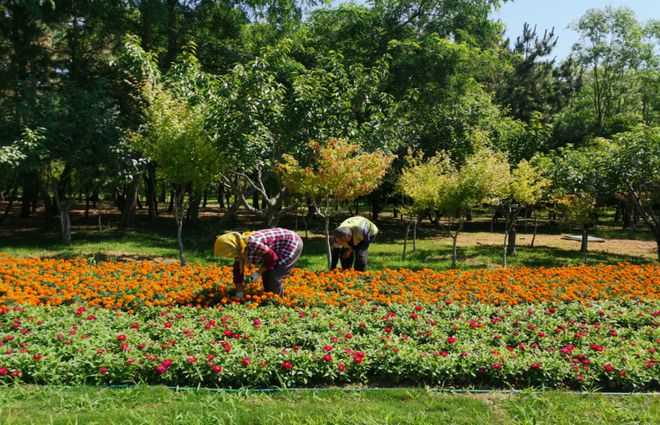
(282, 242)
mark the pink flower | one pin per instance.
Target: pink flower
(130, 361)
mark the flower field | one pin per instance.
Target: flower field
(50, 282)
(71, 322)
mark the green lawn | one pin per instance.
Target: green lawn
(158, 405)
(478, 247)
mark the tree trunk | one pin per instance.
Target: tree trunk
(193, 208)
(150, 183)
(178, 214)
(221, 195)
(130, 203)
(65, 220)
(12, 197)
(414, 235)
(454, 244)
(205, 198)
(405, 239)
(172, 33)
(585, 242)
(327, 240)
(454, 250)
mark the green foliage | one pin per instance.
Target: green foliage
(338, 172)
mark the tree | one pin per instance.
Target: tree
(579, 184)
(174, 135)
(338, 171)
(614, 50)
(523, 188)
(452, 189)
(634, 167)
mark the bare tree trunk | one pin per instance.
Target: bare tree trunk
(12, 197)
(585, 242)
(130, 203)
(414, 235)
(152, 198)
(405, 239)
(536, 225)
(178, 214)
(328, 246)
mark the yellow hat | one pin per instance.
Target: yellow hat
(231, 245)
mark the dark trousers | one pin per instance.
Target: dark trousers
(273, 279)
(357, 259)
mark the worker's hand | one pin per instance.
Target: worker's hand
(240, 295)
(254, 277)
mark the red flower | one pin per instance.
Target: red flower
(121, 337)
(161, 368)
(341, 367)
(535, 366)
(451, 340)
(608, 367)
(327, 358)
(388, 329)
(168, 324)
(287, 364)
(103, 370)
(217, 369)
(327, 348)
(246, 361)
(15, 373)
(130, 361)
(348, 336)
(3, 371)
(37, 356)
(497, 366)
(167, 362)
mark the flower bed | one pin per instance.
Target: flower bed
(72, 322)
(606, 345)
(134, 285)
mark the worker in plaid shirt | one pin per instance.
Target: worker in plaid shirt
(273, 251)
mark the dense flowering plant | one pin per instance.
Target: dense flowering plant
(610, 345)
(51, 282)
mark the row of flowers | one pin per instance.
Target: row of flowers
(609, 345)
(52, 282)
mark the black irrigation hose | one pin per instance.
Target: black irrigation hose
(376, 389)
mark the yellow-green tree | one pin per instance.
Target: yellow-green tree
(523, 187)
(174, 137)
(337, 171)
(453, 190)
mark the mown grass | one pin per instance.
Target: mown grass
(159, 405)
(478, 247)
